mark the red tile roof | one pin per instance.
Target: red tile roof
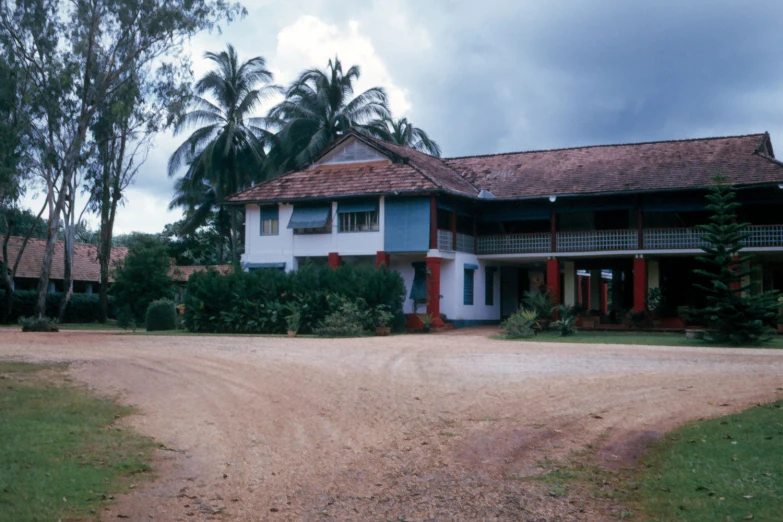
(183, 273)
(85, 259)
(653, 166)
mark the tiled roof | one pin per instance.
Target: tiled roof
(85, 259)
(183, 273)
(664, 165)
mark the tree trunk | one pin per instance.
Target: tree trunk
(8, 278)
(68, 275)
(46, 265)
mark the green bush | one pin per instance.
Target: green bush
(144, 275)
(566, 324)
(347, 318)
(260, 301)
(541, 302)
(125, 319)
(82, 308)
(38, 324)
(161, 315)
(520, 325)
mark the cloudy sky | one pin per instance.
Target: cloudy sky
(509, 75)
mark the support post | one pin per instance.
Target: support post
(433, 290)
(334, 259)
(382, 259)
(639, 284)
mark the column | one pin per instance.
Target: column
(639, 284)
(334, 259)
(569, 284)
(595, 289)
(433, 290)
(553, 281)
(382, 259)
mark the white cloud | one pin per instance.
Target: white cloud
(310, 42)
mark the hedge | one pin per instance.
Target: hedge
(82, 308)
(161, 315)
(260, 301)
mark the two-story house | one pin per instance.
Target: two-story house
(598, 225)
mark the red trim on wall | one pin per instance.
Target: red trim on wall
(639, 284)
(334, 259)
(382, 259)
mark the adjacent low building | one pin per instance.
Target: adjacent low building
(597, 225)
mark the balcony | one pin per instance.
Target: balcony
(463, 242)
(761, 236)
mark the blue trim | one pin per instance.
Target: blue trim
(256, 266)
(269, 213)
(370, 205)
(407, 225)
(309, 217)
(469, 266)
(464, 323)
(467, 289)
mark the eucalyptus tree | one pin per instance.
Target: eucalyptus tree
(318, 107)
(402, 132)
(76, 54)
(226, 152)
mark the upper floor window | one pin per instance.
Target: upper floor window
(311, 220)
(358, 216)
(270, 225)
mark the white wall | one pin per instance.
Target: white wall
(452, 281)
(404, 265)
(286, 246)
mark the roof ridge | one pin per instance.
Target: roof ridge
(681, 140)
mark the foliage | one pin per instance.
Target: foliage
(383, 316)
(62, 453)
(401, 132)
(255, 302)
(732, 313)
(226, 152)
(293, 320)
(161, 315)
(38, 324)
(521, 324)
(654, 299)
(24, 221)
(634, 338)
(347, 318)
(566, 323)
(125, 318)
(82, 308)
(144, 276)
(318, 107)
(540, 302)
(207, 245)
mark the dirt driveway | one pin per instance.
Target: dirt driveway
(436, 427)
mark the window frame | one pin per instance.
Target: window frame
(469, 274)
(372, 221)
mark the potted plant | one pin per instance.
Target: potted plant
(293, 321)
(426, 320)
(382, 319)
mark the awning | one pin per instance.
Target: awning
(370, 205)
(309, 217)
(469, 266)
(254, 266)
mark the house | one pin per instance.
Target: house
(598, 225)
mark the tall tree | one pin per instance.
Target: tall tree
(402, 132)
(225, 153)
(732, 313)
(317, 108)
(76, 54)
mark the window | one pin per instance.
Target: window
(326, 229)
(311, 220)
(269, 221)
(467, 294)
(489, 285)
(359, 221)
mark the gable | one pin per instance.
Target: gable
(352, 151)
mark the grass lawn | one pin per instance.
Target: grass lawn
(61, 457)
(729, 468)
(631, 337)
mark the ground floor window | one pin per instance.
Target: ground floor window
(467, 293)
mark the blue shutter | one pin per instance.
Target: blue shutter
(269, 213)
(467, 294)
(407, 225)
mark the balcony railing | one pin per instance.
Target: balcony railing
(465, 242)
(612, 240)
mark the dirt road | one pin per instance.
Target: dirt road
(437, 427)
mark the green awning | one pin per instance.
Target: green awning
(309, 217)
(369, 205)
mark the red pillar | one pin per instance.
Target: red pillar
(334, 259)
(553, 281)
(433, 290)
(382, 259)
(639, 284)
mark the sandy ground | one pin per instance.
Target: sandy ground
(414, 427)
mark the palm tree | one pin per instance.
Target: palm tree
(318, 107)
(226, 152)
(402, 132)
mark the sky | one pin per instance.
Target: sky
(510, 75)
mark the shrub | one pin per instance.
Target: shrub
(294, 319)
(143, 276)
(520, 325)
(38, 324)
(347, 319)
(540, 302)
(125, 319)
(383, 316)
(82, 308)
(161, 315)
(566, 324)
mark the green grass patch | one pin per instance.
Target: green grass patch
(61, 456)
(631, 337)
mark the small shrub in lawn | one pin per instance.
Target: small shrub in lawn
(521, 324)
(125, 318)
(566, 325)
(161, 315)
(38, 324)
